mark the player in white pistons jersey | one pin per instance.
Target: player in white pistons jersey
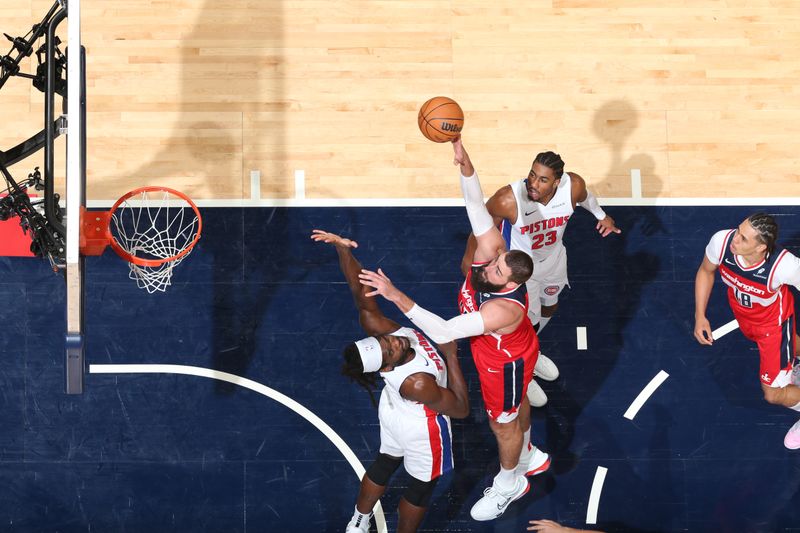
(532, 214)
(422, 391)
(409, 428)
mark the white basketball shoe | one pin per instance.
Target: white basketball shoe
(533, 462)
(545, 368)
(495, 501)
(792, 439)
(536, 396)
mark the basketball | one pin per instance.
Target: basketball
(440, 119)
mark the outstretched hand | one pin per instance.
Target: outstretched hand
(606, 227)
(331, 238)
(380, 282)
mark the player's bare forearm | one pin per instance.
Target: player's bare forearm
(369, 314)
(455, 379)
(703, 284)
(351, 267)
(403, 301)
(461, 158)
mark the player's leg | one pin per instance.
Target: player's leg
(501, 385)
(374, 481)
(428, 454)
(373, 485)
(536, 396)
(532, 461)
(413, 504)
(534, 303)
(776, 351)
(509, 441)
(552, 280)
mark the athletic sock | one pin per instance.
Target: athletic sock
(506, 479)
(360, 518)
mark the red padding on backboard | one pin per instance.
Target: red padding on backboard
(12, 241)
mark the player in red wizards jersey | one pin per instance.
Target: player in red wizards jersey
(493, 302)
(757, 274)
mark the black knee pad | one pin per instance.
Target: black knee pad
(382, 469)
(419, 492)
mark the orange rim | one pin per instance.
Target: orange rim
(153, 262)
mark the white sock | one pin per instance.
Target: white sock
(361, 518)
(506, 479)
(543, 322)
(795, 407)
(526, 454)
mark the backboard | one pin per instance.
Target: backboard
(76, 201)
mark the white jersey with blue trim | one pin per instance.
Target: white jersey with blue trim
(426, 359)
(539, 229)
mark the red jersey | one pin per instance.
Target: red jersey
(756, 293)
(522, 342)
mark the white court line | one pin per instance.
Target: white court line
(300, 184)
(645, 394)
(281, 398)
(452, 202)
(594, 496)
(255, 186)
(582, 341)
(724, 330)
(636, 183)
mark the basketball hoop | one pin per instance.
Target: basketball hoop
(152, 228)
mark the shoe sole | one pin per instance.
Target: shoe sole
(544, 467)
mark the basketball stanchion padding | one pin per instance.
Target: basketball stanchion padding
(152, 228)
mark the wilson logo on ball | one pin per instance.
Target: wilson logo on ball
(447, 126)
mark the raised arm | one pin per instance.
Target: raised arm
(501, 206)
(370, 316)
(453, 400)
(583, 197)
(489, 241)
(703, 283)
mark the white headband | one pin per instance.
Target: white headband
(371, 354)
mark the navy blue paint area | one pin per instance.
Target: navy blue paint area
(259, 299)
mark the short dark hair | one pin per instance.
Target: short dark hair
(521, 266)
(767, 230)
(552, 161)
(353, 368)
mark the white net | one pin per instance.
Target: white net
(158, 229)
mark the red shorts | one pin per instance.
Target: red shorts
(776, 348)
(504, 382)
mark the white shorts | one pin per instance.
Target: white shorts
(425, 444)
(548, 280)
